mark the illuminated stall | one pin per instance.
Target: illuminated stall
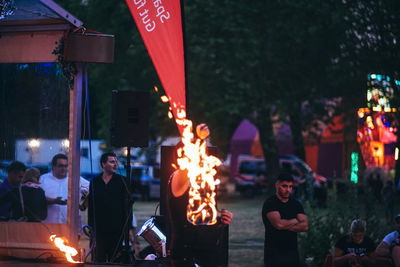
(377, 124)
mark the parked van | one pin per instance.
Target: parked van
(251, 177)
(147, 178)
(138, 173)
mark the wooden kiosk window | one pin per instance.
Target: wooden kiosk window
(35, 106)
(28, 42)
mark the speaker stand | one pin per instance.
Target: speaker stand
(127, 253)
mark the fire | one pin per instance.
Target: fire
(200, 167)
(193, 158)
(69, 251)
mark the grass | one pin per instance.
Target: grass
(246, 231)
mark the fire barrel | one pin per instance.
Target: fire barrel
(206, 245)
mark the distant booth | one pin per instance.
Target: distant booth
(40, 43)
(325, 155)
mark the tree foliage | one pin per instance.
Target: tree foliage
(252, 60)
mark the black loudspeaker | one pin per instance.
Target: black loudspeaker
(130, 119)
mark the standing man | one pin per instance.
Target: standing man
(15, 173)
(107, 210)
(283, 218)
(55, 186)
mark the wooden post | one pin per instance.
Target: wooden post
(75, 111)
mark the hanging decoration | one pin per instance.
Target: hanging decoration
(354, 167)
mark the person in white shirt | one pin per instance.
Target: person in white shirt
(390, 245)
(55, 185)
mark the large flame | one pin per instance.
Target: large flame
(60, 244)
(200, 166)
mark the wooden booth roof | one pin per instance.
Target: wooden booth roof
(34, 29)
(38, 12)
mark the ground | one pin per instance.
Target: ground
(326, 226)
(246, 232)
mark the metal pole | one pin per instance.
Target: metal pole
(128, 256)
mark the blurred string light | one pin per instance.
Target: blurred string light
(34, 143)
(65, 145)
(354, 167)
(46, 68)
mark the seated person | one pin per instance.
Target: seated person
(354, 249)
(390, 245)
(28, 202)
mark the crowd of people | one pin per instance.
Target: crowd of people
(25, 195)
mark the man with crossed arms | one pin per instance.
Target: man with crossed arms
(283, 218)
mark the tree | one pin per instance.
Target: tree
(132, 68)
(254, 60)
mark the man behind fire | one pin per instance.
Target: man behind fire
(283, 218)
(183, 251)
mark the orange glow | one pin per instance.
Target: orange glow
(370, 122)
(377, 150)
(378, 122)
(193, 158)
(69, 251)
(164, 98)
(156, 88)
(361, 113)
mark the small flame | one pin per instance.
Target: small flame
(164, 98)
(155, 88)
(69, 251)
(193, 158)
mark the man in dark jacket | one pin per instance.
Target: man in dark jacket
(15, 173)
(108, 210)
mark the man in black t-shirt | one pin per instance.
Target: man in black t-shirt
(354, 249)
(108, 210)
(283, 218)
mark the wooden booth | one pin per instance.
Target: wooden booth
(41, 32)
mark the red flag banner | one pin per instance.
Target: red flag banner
(160, 25)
